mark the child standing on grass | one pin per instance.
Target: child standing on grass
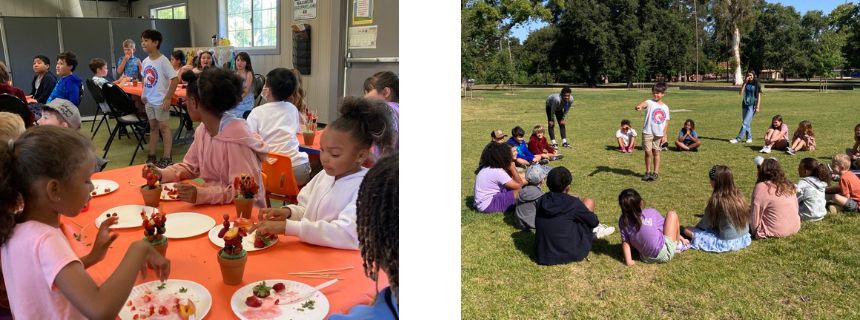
(524, 156)
(539, 146)
(528, 196)
(654, 131)
(846, 195)
(774, 203)
(626, 137)
(804, 138)
(688, 138)
(724, 226)
(814, 178)
(497, 182)
(776, 135)
(654, 237)
(159, 84)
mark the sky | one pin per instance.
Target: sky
(802, 6)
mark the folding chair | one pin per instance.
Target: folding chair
(10, 103)
(102, 109)
(122, 106)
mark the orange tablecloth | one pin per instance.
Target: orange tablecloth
(196, 259)
(315, 145)
(138, 91)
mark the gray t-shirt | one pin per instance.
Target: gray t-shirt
(526, 209)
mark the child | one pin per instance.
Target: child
(378, 236)
(776, 135)
(325, 212)
(43, 80)
(814, 178)
(385, 85)
(278, 121)
(6, 84)
(539, 146)
(847, 194)
(223, 148)
(654, 237)
(626, 137)
(854, 152)
(100, 70)
(654, 131)
(62, 113)
(524, 156)
(688, 138)
(563, 223)
(497, 182)
(11, 126)
(498, 136)
(39, 266)
(129, 65)
(159, 84)
(177, 60)
(723, 226)
(246, 73)
(204, 61)
(774, 203)
(529, 194)
(69, 86)
(804, 138)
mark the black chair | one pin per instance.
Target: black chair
(12, 104)
(102, 109)
(259, 82)
(123, 110)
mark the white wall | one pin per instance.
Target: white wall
(52, 8)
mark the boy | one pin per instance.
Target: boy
(558, 104)
(99, 68)
(498, 136)
(539, 146)
(43, 81)
(129, 65)
(11, 126)
(625, 136)
(847, 194)
(528, 195)
(159, 84)
(62, 113)
(69, 86)
(654, 131)
(524, 156)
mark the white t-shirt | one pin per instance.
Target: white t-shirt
(625, 137)
(277, 123)
(656, 115)
(156, 79)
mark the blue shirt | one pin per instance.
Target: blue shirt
(522, 149)
(384, 308)
(69, 88)
(131, 68)
(683, 132)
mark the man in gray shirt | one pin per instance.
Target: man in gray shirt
(558, 104)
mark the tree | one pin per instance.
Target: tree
(774, 40)
(537, 56)
(585, 40)
(735, 16)
(845, 19)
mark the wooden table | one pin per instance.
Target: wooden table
(196, 259)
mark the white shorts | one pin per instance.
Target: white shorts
(155, 112)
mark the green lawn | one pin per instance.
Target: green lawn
(814, 274)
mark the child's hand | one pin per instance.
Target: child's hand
(275, 214)
(187, 192)
(165, 105)
(269, 227)
(158, 262)
(155, 170)
(104, 239)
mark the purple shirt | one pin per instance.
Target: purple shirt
(649, 239)
(489, 182)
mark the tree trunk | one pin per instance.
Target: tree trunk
(736, 52)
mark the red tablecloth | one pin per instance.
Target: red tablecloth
(196, 259)
(138, 91)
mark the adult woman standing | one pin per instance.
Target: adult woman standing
(751, 93)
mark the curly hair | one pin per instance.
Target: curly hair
(770, 171)
(495, 155)
(813, 168)
(218, 90)
(368, 121)
(377, 220)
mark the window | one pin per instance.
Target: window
(252, 23)
(169, 12)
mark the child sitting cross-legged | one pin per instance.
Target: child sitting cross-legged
(725, 224)
(528, 195)
(814, 178)
(539, 146)
(655, 238)
(688, 138)
(846, 195)
(524, 156)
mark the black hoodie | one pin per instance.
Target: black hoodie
(563, 229)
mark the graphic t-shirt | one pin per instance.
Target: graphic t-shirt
(656, 115)
(156, 79)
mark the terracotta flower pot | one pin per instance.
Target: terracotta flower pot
(161, 248)
(309, 137)
(243, 207)
(232, 269)
(151, 197)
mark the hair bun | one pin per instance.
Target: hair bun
(189, 76)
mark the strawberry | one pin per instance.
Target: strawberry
(258, 243)
(253, 302)
(128, 304)
(151, 310)
(147, 298)
(136, 316)
(262, 290)
(163, 311)
(279, 287)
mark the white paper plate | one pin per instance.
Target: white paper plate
(129, 216)
(102, 187)
(195, 292)
(247, 242)
(164, 195)
(288, 311)
(187, 224)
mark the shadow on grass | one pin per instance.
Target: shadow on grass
(615, 148)
(603, 247)
(469, 202)
(715, 139)
(623, 172)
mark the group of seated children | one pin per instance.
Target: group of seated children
(776, 137)
(536, 151)
(688, 138)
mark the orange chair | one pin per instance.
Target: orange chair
(279, 180)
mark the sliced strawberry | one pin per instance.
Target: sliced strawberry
(128, 304)
(279, 287)
(147, 298)
(253, 302)
(258, 243)
(136, 316)
(163, 311)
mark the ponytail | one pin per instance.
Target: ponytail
(368, 121)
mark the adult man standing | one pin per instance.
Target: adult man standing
(558, 104)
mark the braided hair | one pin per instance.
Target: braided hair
(377, 220)
(368, 122)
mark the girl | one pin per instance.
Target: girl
(751, 93)
(39, 266)
(854, 152)
(497, 183)
(298, 98)
(278, 120)
(653, 237)
(723, 226)
(538, 145)
(814, 178)
(384, 85)
(688, 139)
(804, 138)
(204, 61)
(325, 212)
(626, 137)
(776, 135)
(177, 60)
(246, 74)
(378, 236)
(223, 148)
(773, 203)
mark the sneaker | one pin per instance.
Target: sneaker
(557, 157)
(733, 141)
(832, 208)
(789, 150)
(749, 140)
(764, 149)
(681, 246)
(554, 146)
(602, 230)
(664, 146)
(566, 145)
(164, 163)
(151, 159)
(543, 161)
(647, 176)
(654, 176)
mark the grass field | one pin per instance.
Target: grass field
(812, 275)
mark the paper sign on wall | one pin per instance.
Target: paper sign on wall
(362, 37)
(304, 9)
(362, 11)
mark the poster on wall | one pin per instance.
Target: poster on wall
(362, 37)
(304, 9)
(362, 12)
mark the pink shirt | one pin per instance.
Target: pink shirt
(31, 259)
(772, 216)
